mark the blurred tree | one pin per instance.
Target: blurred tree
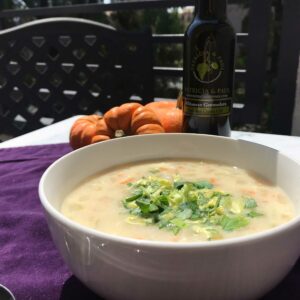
(32, 3)
(126, 20)
(5, 4)
(169, 22)
(164, 21)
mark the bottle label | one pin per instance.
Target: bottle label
(208, 85)
(207, 107)
(207, 65)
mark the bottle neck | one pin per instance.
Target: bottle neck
(211, 9)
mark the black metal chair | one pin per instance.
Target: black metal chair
(54, 68)
(289, 55)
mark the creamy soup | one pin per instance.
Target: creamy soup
(178, 201)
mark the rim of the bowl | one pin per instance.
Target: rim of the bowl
(161, 244)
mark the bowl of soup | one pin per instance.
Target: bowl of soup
(175, 216)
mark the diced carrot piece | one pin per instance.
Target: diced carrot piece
(164, 169)
(248, 192)
(213, 180)
(126, 180)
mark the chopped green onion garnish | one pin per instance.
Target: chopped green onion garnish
(173, 204)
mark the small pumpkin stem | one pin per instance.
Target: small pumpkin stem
(179, 100)
(119, 133)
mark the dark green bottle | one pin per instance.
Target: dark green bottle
(209, 52)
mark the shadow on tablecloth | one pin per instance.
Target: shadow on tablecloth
(289, 288)
(73, 289)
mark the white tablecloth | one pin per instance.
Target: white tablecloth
(59, 133)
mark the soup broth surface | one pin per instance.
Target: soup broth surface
(98, 202)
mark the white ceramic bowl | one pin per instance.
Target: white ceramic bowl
(128, 269)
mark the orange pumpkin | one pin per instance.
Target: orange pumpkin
(168, 114)
(119, 118)
(145, 121)
(103, 132)
(129, 118)
(150, 129)
(83, 130)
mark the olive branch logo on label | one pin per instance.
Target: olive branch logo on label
(207, 66)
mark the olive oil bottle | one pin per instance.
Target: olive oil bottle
(209, 51)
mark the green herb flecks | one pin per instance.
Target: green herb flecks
(173, 204)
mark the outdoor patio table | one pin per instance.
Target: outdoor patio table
(30, 265)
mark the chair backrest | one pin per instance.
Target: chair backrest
(285, 108)
(296, 113)
(55, 68)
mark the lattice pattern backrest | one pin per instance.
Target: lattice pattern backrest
(56, 68)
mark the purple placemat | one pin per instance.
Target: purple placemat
(29, 263)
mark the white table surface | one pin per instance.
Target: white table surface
(59, 133)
